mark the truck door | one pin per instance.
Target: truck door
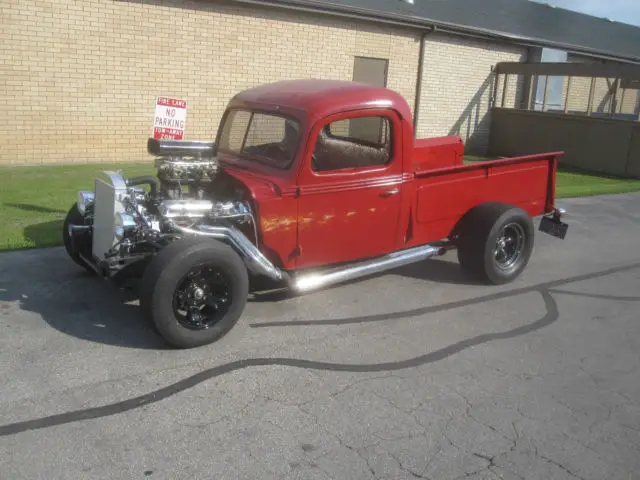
(350, 188)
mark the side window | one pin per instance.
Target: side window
(353, 143)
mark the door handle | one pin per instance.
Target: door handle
(388, 193)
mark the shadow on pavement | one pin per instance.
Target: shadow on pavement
(436, 270)
(81, 305)
(84, 306)
(431, 270)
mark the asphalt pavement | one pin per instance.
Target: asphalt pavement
(418, 373)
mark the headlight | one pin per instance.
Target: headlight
(84, 199)
(123, 223)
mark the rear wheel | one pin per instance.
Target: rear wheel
(194, 291)
(495, 242)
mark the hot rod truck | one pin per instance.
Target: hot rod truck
(307, 183)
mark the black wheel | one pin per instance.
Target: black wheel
(194, 291)
(75, 217)
(495, 242)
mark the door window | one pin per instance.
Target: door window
(361, 142)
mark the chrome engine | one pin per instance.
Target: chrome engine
(126, 221)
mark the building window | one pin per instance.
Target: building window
(370, 70)
(555, 91)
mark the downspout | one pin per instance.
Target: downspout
(416, 107)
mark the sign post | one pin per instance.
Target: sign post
(170, 118)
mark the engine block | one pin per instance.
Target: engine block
(185, 171)
(182, 163)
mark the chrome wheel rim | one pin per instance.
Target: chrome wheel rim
(509, 246)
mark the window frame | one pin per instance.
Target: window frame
(394, 136)
(260, 159)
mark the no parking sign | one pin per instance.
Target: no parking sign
(170, 118)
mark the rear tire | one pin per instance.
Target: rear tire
(194, 291)
(74, 217)
(495, 242)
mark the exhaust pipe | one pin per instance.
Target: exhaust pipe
(259, 264)
(307, 282)
(255, 260)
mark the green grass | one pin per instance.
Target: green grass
(34, 200)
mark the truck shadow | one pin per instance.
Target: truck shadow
(45, 234)
(28, 207)
(431, 270)
(80, 305)
(437, 270)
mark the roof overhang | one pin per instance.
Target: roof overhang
(422, 24)
(575, 69)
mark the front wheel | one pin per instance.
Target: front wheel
(194, 291)
(495, 242)
(75, 217)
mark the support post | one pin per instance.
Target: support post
(566, 95)
(530, 93)
(621, 102)
(504, 89)
(495, 86)
(614, 105)
(592, 89)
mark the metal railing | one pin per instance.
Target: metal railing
(624, 88)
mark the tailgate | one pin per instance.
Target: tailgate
(444, 195)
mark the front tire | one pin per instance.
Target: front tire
(74, 217)
(194, 291)
(495, 242)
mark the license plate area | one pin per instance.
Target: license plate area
(554, 227)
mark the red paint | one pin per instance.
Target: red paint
(430, 153)
(310, 218)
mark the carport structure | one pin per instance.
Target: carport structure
(591, 111)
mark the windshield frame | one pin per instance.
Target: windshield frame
(263, 160)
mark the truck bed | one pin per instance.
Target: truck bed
(443, 195)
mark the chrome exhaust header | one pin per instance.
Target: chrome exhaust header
(253, 258)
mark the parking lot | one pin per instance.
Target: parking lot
(414, 374)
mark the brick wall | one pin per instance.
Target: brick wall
(79, 77)
(458, 84)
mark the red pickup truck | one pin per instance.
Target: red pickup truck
(308, 183)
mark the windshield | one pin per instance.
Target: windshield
(267, 138)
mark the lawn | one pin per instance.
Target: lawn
(34, 200)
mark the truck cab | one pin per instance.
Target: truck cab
(339, 156)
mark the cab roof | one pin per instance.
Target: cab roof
(315, 98)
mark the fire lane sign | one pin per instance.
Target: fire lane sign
(170, 118)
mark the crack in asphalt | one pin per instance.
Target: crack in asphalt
(546, 286)
(552, 314)
(560, 466)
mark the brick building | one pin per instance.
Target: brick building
(80, 77)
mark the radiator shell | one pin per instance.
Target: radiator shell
(110, 189)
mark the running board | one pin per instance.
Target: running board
(310, 281)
